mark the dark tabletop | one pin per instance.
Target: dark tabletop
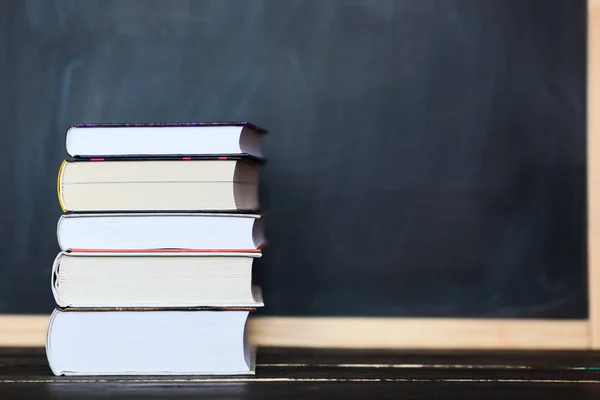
(298, 374)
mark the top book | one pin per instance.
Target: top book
(123, 140)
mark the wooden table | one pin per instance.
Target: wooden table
(290, 374)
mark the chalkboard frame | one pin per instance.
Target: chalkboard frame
(430, 333)
(593, 170)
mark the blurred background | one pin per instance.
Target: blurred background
(425, 158)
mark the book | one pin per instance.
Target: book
(159, 185)
(160, 229)
(161, 232)
(164, 139)
(100, 280)
(150, 342)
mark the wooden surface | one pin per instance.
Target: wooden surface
(307, 390)
(402, 333)
(321, 374)
(593, 162)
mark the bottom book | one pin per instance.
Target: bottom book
(150, 342)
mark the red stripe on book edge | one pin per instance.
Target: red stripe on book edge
(96, 159)
(186, 158)
(164, 250)
(221, 158)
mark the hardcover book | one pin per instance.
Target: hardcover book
(164, 139)
(159, 185)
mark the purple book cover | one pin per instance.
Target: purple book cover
(169, 124)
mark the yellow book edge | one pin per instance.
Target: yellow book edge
(58, 185)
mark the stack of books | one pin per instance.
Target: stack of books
(160, 229)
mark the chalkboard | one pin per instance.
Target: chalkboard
(425, 158)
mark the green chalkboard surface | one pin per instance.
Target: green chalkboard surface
(425, 158)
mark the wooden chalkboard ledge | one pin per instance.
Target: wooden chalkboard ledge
(371, 333)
